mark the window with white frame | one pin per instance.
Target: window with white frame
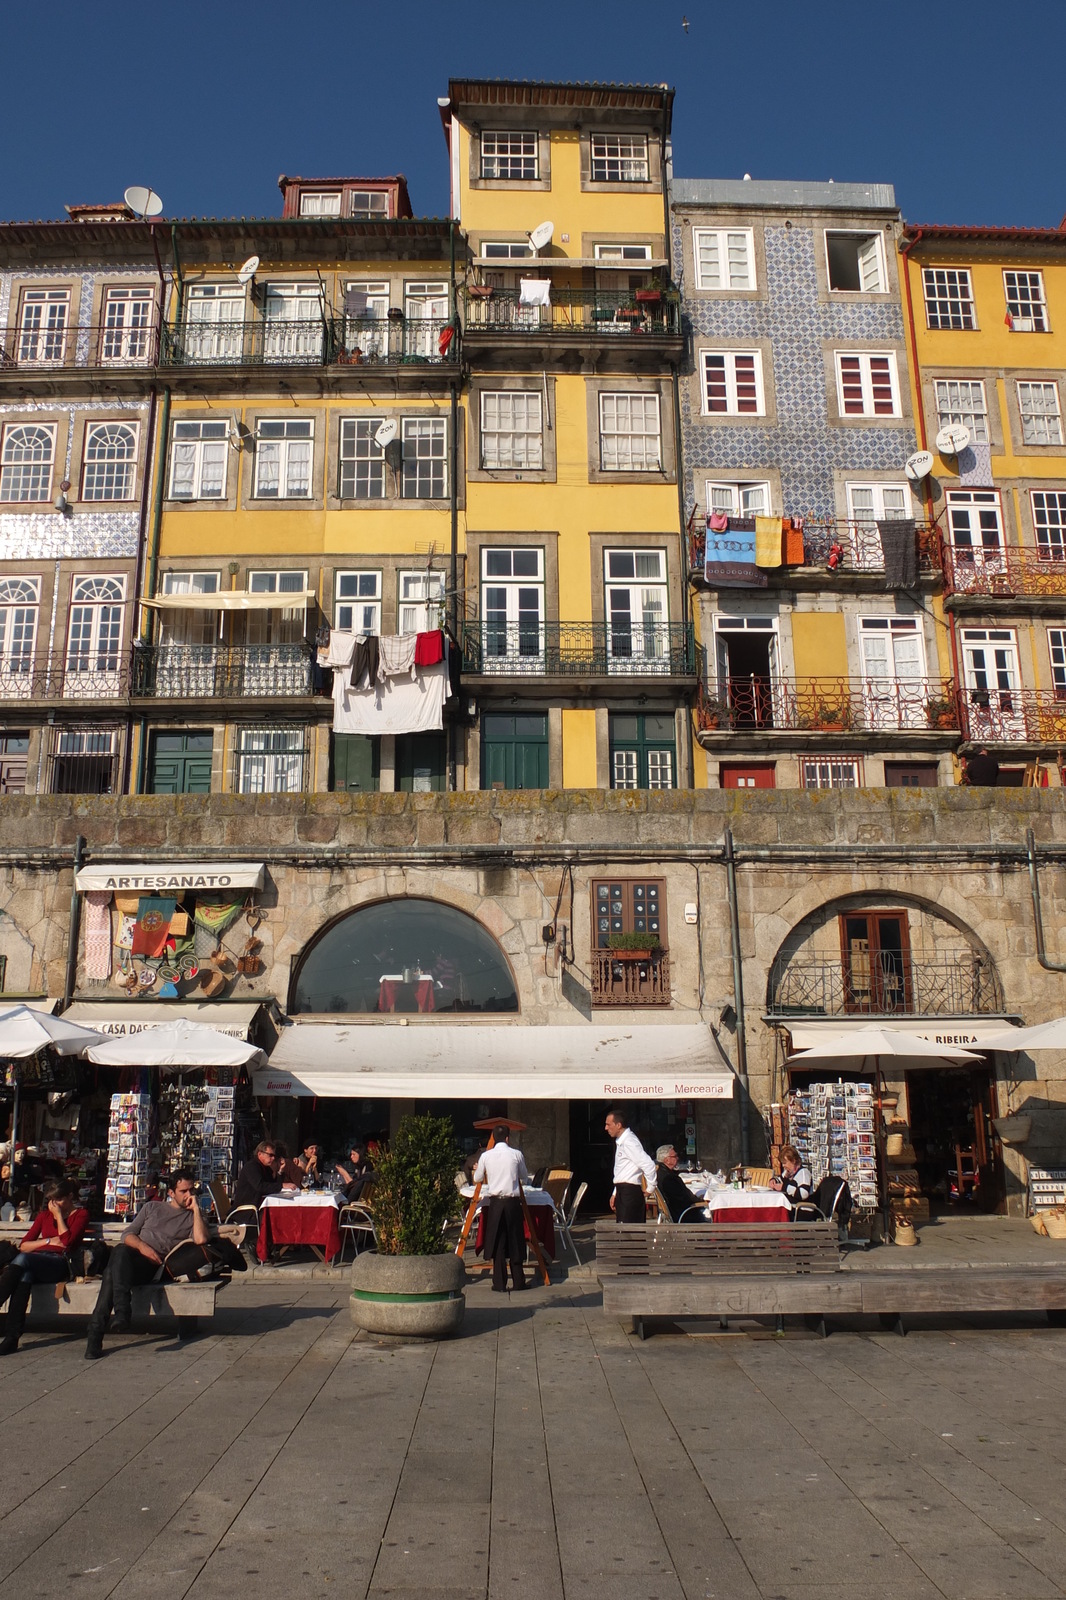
(732, 383)
(110, 462)
(271, 760)
(619, 158)
(198, 460)
(26, 459)
(274, 632)
(739, 499)
(1038, 407)
(892, 647)
(82, 761)
(512, 607)
(127, 325)
(975, 524)
(425, 458)
(867, 384)
(20, 600)
(830, 772)
(426, 309)
(1049, 523)
(629, 433)
(292, 322)
(421, 601)
(279, 581)
(506, 249)
(509, 154)
(43, 320)
(948, 297)
(362, 460)
(877, 502)
(358, 602)
(511, 436)
(1056, 643)
(284, 451)
(195, 627)
(320, 203)
(855, 261)
(1026, 306)
(992, 679)
(366, 312)
(368, 205)
(622, 252)
(94, 633)
(962, 401)
(724, 258)
(636, 606)
(190, 583)
(214, 322)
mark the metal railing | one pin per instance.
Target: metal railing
(1008, 571)
(65, 675)
(1014, 716)
(859, 547)
(957, 983)
(830, 705)
(579, 649)
(34, 349)
(197, 672)
(613, 313)
(321, 342)
(621, 980)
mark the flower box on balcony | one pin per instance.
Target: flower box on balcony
(481, 291)
(648, 297)
(633, 946)
(940, 713)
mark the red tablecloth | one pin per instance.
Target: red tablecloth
(751, 1213)
(299, 1225)
(543, 1226)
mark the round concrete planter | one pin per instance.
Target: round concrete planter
(416, 1297)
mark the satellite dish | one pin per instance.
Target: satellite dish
(953, 439)
(249, 270)
(145, 202)
(542, 235)
(386, 432)
(919, 465)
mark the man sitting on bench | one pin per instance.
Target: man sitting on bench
(153, 1233)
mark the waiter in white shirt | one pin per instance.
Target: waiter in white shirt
(504, 1239)
(630, 1161)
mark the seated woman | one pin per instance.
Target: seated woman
(42, 1256)
(795, 1182)
(355, 1172)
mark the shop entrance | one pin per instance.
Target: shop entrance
(959, 1161)
(654, 1122)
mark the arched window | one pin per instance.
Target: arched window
(26, 462)
(404, 955)
(110, 453)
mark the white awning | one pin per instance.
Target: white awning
(969, 1032)
(233, 600)
(360, 1060)
(122, 1018)
(142, 877)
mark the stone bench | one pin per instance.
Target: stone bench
(185, 1303)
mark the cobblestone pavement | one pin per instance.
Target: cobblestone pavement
(546, 1453)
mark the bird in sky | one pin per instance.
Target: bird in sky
(684, 23)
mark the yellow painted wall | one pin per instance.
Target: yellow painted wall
(819, 644)
(579, 749)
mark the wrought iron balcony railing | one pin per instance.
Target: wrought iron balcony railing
(830, 705)
(91, 674)
(857, 547)
(34, 349)
(1014, 716)
(1008, 571)
(204, 672)
(612, 313)
(947, 984)
(579, 649)
(322, 342)
(626, 980)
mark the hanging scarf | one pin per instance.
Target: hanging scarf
(98, 935)
(212, 918)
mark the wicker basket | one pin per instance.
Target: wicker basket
(1054, 1224)
(894, 1144)
(1013, 1130)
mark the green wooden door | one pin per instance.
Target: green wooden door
(421, 760)
(180, 763)
(356, 762)
(514, 750)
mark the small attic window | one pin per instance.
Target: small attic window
(855, 262)
(321, 203)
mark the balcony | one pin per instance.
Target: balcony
(29, 353)
(830, 706)
(322, 342)
(213, 672)
(858, 543)
(1014, 716)
(64, 675)
(1013, 571)
(606, 313)
(946, 984)
(579, 649)
(620, 979)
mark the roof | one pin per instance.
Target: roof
(991, 235)
(642, 98)
(757, 192)
(69, 240)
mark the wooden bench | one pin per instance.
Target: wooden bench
(184, 1302)
(772, 1270)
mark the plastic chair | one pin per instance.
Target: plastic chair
(220, 1199)
(355, 1220)
(564, 1220)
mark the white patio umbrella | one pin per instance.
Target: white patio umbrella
(1041, 1036)
(24, 1031)
(880, 1042)
(174, 1045)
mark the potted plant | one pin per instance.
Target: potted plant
(413, 1285)
(480, 291)
(648, 297)
(634, 946)
(833, 717)
(940, 712)
(713, 713)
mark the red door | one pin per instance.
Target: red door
(759, 776)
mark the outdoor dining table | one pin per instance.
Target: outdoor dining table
(747, 1205)
(308, 1218)
(541, 1212)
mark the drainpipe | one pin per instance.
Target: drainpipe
(142, 528)
(1038, 919)
(738, 993)
(75, 924)
(147, 625)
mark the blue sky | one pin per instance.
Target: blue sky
(959, 106)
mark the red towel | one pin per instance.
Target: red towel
(793, 543)
(429, 648)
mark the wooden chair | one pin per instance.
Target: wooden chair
(967, 1176)
(557, 1184)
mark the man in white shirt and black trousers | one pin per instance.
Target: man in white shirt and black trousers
(504, 1238)
(630, 1161)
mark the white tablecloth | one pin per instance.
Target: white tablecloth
(768, 1200)
(305, 1197)
(534, 1197)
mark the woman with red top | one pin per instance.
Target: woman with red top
(42, 1256)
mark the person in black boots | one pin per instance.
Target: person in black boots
(137, 1258)
(504, 1238)
(42, 1256)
